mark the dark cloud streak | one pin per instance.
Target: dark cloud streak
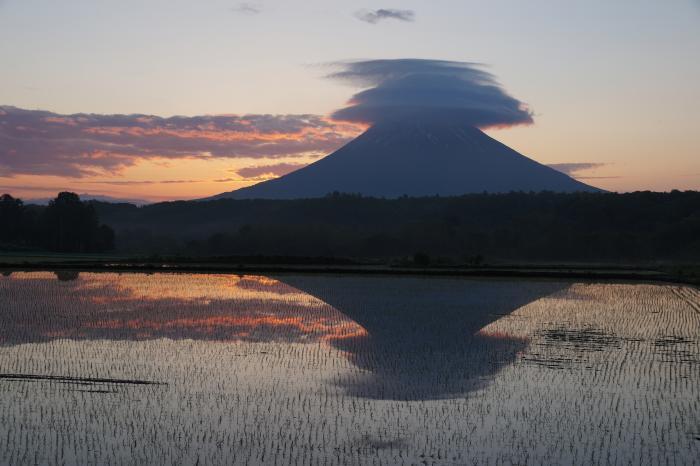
(374, 16)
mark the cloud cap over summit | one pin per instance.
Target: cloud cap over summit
(399, 88)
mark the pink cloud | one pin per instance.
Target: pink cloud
(38, 142)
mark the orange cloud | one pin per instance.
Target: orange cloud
(269, 171)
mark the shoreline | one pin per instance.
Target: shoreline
(624, 273)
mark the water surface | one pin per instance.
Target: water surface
(99, 368)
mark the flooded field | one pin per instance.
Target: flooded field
(99, 368)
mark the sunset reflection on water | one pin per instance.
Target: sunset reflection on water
(168, 368)
(138, 307)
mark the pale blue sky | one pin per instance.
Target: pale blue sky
(613, 82)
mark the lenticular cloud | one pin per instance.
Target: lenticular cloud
(428, 88)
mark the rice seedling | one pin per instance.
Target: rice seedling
(225, 369)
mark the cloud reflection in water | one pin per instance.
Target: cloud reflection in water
(413, 338)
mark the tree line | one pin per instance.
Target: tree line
(532, 227)
(546, 226)
(66, 225)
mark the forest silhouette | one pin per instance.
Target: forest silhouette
(66, 225)
(546, 226)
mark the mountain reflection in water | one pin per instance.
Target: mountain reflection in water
(424, 336)
(414, 338)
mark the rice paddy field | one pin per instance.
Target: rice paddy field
(170, 368)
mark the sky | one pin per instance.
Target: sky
(171, 99)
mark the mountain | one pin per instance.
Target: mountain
(416, 158)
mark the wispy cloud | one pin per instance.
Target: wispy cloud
(247, 8)
(573, 169)
(139, 182)
(35, 142)
(374, 16)
(274, 170)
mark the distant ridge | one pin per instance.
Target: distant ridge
(416, 158)
(92, 197)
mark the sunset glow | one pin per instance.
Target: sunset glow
(252, 232)
(72, 119)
